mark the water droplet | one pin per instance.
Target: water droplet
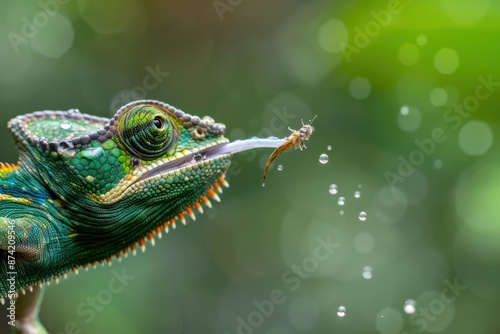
(341, 311)
(73, 111)
(333, 189)
(329, 147)
(323, 158)
(66, 125)
(357, 194)
(280, 167)
(341, 212)
(359, 186)
(42, 138)
(438, 163)
(410, 307)
(341, 200)
(362, 216)
(367, 272)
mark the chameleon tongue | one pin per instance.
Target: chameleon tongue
(246, 144)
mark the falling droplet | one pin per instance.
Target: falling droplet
(357, 194)
(438, 163)
(280, 167)
(367, 272)
(341, 200)
(362, 216)
(359, 186)
(329, 147)
(323, 158)
(66, 125)
(333, 189)
(341, 212)
(73, 110)
(341, 311)
(410, 307)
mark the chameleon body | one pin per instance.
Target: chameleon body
(88, 189)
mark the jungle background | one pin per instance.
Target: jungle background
(398, 232)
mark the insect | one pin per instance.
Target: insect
(296, 139)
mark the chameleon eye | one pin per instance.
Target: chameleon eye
(158, 122)
(147, 132)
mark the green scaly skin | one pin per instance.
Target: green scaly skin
(88, 189)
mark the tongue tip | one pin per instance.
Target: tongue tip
(241, 145)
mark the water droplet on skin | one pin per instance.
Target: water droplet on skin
(73, 110)
(323, 158)
(333, 189)
(362, 216)
(341, 200)
(410, 307)
(357, 194)
(367, 272)
(280, 167)
(66, 125)
(341, 311)
(329, 147)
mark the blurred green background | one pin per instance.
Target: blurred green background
(406, 94)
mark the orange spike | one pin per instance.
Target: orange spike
(223, 181)
(108, 260)
(92, 264)
(198, 207)
(75, 270)
(172, 222)
(86, 266)
(190, 212)
(142, 243)
(165, 227)
(56, 278)
(158, 231)
(206, 201)
(125, 252)
(101, 261)
(212, 194)
(218, 187)
(65, 274)
(133, 247)
(151, 238)
(180, 215)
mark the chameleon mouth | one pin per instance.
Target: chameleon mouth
(187, 159)
(181, 160)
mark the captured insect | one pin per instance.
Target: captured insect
(296, 139)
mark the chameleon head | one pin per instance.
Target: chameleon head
(149, 152)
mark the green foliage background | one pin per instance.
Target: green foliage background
(248, 65)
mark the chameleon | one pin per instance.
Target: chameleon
(295, 139)
(87, 190)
